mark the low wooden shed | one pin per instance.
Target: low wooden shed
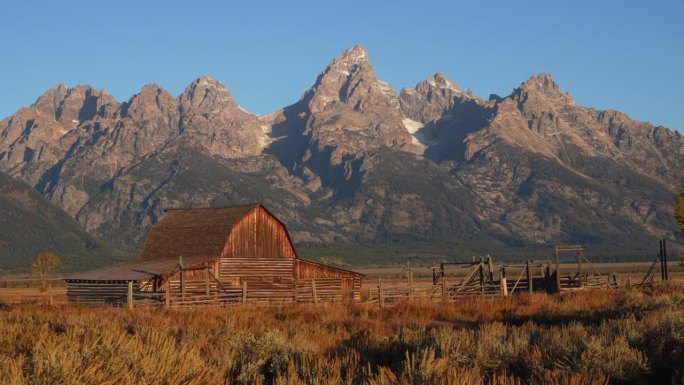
(214, 256)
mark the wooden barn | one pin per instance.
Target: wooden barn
(216, 256)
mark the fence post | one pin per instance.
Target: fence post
(445, 293)
(167, 293)
(409, 280)
(244, 292)
(558, 271)
(504, 283)
(206, 280)
(129, 298)
(580, 256)
(529, 276)
(667, 269)
(490, 267)
(660, 256)
(381, 293)
(182, 277)
(313, 289)
(482, 289)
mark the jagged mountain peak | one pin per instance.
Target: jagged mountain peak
(152, 101)
(55, 93)
(542, 84)
(206, 82)
(350, 81)
(354, 55)
(206, 93)
(346, 112)
(213, 121)
(433, 97)
(440, 80)
(338, 81)
(151, 88)
(76, 104)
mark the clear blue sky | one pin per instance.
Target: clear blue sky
(625, 55)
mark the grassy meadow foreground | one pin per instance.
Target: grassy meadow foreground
(626, 336)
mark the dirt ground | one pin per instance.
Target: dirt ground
(32, 295)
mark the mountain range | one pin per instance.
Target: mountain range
(356, 169)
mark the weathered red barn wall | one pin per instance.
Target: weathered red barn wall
(99, 292)
(259, 235)
(256, 271)
(348, 281)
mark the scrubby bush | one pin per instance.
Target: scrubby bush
(625, 337)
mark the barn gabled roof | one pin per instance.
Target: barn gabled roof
(197, 234)
(193, 232)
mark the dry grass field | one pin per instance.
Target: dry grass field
(626, 336)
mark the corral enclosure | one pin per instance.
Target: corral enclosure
(216, 256)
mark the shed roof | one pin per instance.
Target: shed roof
(324, 266)
(193, 232)
(137, 270)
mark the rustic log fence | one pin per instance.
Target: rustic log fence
(304, 291)
(483, 279)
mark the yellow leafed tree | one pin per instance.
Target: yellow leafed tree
(679, 213)
(678, 209)
(42, 266)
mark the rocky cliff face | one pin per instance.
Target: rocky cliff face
(213, 121)
(546, 169)
(352, 162)
(539, 118)
(350, 110)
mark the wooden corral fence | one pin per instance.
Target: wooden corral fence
(483, 278)
(659, 263)
(210, 292)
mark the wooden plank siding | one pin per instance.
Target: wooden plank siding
(350, 282)
(99, 292)
(268, 279)
(328, 289)
(260, 234)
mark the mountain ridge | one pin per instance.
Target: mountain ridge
(50, 229)
(115, 165)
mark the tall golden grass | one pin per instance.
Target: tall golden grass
(593, 337)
